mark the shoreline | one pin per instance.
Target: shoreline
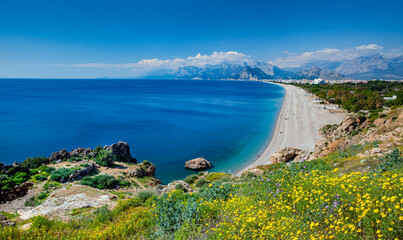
(297, 125)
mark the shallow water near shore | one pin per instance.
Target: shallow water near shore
(164, 121)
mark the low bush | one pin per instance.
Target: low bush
(35, 162)
(105, 158)
(216, 191)
(201, 182)
(98, 148)
(100, 181)
(61, 174)
(180, 187)
(128, 203)
(75, 159)
(175, 208)
(50, 169)
(217, 176)
(144, 195)
(191, 178)
(20, 177)
(391, 161)
(103, 214)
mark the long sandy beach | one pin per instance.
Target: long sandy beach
(298, 124)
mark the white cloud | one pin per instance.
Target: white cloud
(332, 54)
(370, 47)
(152, 64)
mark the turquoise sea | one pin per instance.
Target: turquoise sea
(164, 121)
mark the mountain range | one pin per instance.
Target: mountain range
(363, 68)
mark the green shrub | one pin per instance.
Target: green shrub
(35, 162)
(51, 185)
(50, 169)
(42, 195)
(98, 148)
(31, 202)
(127, 203)
(217, 176)
(103, 214)
(75, 159)
(125, 183)
(105, 158)
(20, 177)
(41, 176)
(201, 182)
(61, 174)
(180, 187)
(175, 208)
(41, 223)
(216, 191)
(391, 161)
(100, 181)
(191, 178)
(144, 195)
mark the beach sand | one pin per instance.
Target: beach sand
(297, 125)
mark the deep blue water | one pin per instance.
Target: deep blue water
(164, 121)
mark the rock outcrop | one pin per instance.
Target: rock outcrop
(82, 172)
(198, 164)
(289, 154)
(122, 150)
(4, 222)
(62, 201)
(16, 192)
(143, 169)
(60, 155)
(80, 152)
(173, 185)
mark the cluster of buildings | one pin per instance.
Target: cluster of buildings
(317, 81)
(322, 81)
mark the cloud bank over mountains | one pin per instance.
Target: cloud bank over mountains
(327, 54)
(144, 66)
(147, 65)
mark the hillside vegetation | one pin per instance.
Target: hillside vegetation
(352, 189)
(355, 97)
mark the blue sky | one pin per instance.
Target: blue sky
(109, 38)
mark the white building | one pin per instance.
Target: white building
(318, 81)
(390, 98)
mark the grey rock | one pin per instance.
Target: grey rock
(60, 155)
(16, 192)
(172, 186)
(143, 169)
(6, 223)
(198, 164)
(287, 154)
(122, 150)
(80, 152)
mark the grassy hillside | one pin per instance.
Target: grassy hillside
(301, 200)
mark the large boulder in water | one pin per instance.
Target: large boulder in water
(198, 164)
(122, 151)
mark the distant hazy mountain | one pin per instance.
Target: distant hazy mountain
(366, 67)
(316, 72)
(247, 70)
(242, 71)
